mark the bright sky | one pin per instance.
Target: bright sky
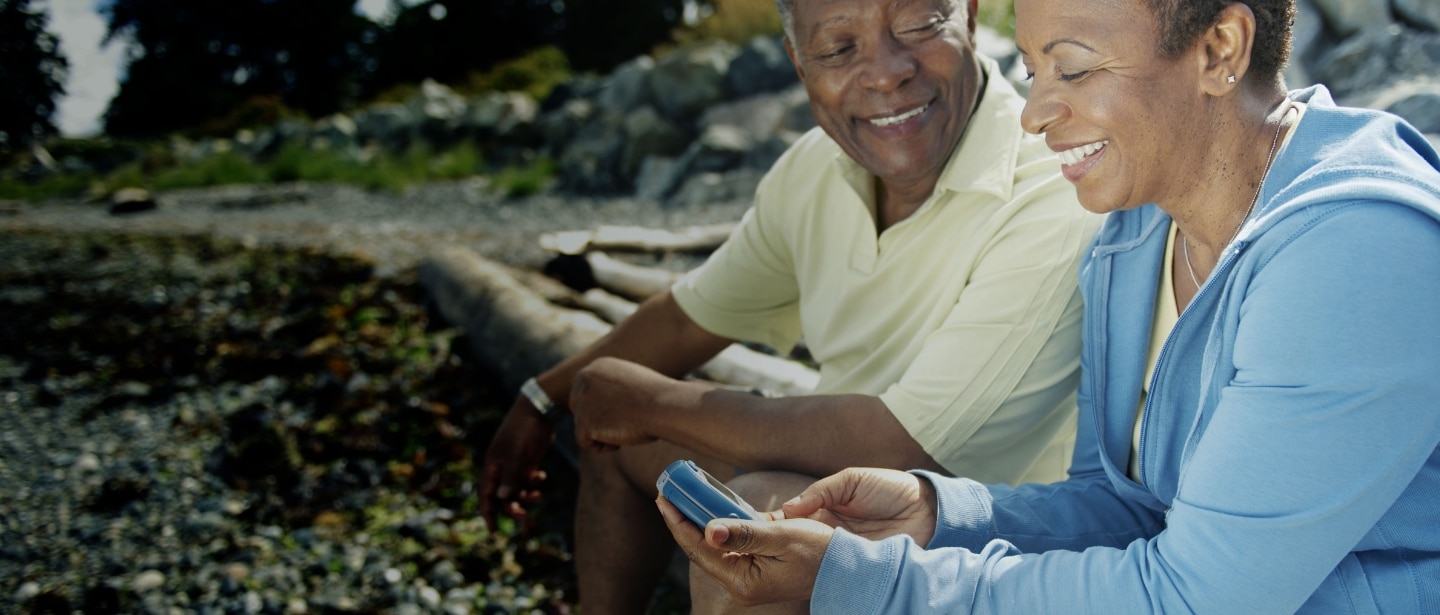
(94, 70)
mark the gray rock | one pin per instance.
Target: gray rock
(757, 116)
(132, 200)
(337, 132)
(648, 134)
(1360, 63)
(628, 86)
(1307, 42)
(720, 148)
(690, 79)
(761, 66)
(148, 580)
(1423, 14)
(1346, 17)
(709, 188)
(591, 162)
(658, 176)
(502, 113)
(387, 124)
(799, 116)
(1418, 103)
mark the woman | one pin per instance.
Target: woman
(1260, 399)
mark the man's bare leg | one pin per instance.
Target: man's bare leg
(621, 544)
(766, 491)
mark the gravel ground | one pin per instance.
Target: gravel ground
(393, 230)
(235, 404)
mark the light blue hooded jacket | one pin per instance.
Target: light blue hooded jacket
(1290, 451)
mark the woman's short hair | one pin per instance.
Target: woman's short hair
(1182, 22)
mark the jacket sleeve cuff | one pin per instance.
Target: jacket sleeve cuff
(964, 516)
(857, 575)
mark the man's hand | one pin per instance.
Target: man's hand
(610, 398)
(870, 502)
(758, 562)
(511, 477)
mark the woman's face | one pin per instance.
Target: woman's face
(1128, 124)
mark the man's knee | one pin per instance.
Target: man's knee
(766, 491)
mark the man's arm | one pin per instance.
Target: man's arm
(620, 403)
(658, 335)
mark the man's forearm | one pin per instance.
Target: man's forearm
(658, 335)
(814, 434)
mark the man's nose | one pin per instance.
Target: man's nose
(889, 65)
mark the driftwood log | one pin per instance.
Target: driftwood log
(736, 365)
(630, 280)
(692, 238)
(512, 329)
(517, 333)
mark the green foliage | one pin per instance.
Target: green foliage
(736, 21)
(15, 188)
(536, 73)
(998, 14)
(220, 169)
(516, 182)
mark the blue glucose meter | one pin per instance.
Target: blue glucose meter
(700, 496)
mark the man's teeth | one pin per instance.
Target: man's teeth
(896, 119)
(1074, 156)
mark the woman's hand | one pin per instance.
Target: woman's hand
(870, 502)
(758, 562)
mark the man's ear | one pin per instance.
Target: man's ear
(1226, 48)
(971, 21)
(794, 61)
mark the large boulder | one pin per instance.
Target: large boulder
(761, 66)
(690, 79)
(1423, 14)
(1346, 17)
(502, 114)
(628, 86)
(647, 133)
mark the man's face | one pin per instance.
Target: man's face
(892, 81)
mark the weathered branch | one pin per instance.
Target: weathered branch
(629, 280)
(512, 329)
(736, 365)
(516, 333)
(605, 237)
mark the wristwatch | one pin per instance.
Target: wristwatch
(537, 397)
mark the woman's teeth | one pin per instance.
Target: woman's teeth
(896, 119)
(1074, 156)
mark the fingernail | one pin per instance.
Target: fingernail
(792, 501)
(719, 533)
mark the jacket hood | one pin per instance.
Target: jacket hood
(1347, 154)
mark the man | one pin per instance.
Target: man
(922, 245)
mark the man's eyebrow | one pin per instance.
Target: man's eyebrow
(1065, 41)
(837, 21)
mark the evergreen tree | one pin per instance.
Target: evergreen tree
(32, 75)
(196, 61)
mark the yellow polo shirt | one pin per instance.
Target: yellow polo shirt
(963, 318)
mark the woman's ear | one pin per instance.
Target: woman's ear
(1226, 48)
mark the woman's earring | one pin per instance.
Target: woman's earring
(1231, 79)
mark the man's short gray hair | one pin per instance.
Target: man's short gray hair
(787, 17)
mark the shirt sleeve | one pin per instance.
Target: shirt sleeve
(1326, 423)
(1005, 362)
(747, 288)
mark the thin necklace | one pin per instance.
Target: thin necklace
(1269, 159)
